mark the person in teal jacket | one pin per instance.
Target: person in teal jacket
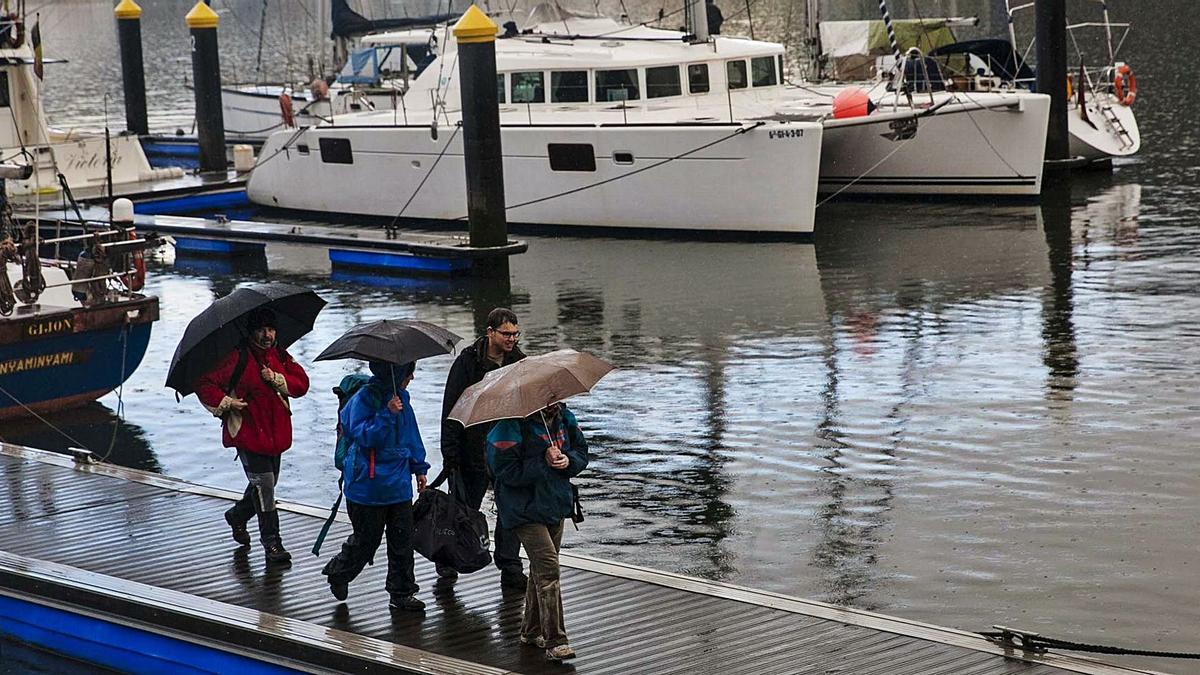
(385, 453)
(532, 461)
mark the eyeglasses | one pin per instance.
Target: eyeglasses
(508, 334)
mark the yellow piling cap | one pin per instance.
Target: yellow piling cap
(202, 16)
(128, 9)
(475, 26)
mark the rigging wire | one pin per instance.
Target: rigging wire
(582, 188)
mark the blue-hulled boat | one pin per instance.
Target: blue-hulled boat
(75, 340)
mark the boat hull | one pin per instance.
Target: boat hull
(963, 150)
(54, 359)
(678, 177)
(1097, 138)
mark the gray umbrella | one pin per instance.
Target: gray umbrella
(394, 341)
(527, 386)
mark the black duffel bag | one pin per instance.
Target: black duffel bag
(447, 531)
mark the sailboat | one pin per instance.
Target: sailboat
(351, 70)
(1100, 97)
(84, 161)
(896, 122)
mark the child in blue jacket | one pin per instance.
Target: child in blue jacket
(385, 452)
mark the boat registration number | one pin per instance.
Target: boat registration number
(786, 133)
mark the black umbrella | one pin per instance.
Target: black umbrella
(394, 341)
(219, 329)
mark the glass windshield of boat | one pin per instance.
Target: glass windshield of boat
(617, 85)
(698, 78)
(735, 74)
(528, 87)
(762, 71)
(663, 81)
(569, 86)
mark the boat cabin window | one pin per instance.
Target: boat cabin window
(762, 71)
(663, 81)
(500, 88)
(569, 86)
(617, 85)
(571, 156)
(336, 151)
(698, 78)
(528, 87)
(735, 73)
(4, 89)
(782, 76)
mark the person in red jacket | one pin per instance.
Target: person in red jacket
(249, 389)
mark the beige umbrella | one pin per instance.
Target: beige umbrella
(528, 385)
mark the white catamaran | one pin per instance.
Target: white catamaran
(602, 125)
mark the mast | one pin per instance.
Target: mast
(812, 22)
(699, 16)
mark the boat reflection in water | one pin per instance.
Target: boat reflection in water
(94, 427)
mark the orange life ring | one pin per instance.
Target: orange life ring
(137, 280)
(286, 111)
(1125, 75)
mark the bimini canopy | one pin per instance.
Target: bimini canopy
(368, 66)
(997, 53)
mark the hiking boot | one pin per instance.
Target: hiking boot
(560, 653)
(276, 553)
(240, 534)
(339, 590)
(515, 581)
(535, 641)
(447, 573)
(407, 603)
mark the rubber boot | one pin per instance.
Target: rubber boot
(268, 529)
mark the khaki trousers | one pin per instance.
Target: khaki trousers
(543, 593)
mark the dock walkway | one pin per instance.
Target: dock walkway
(154, 552)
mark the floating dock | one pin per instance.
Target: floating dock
(354, 247)
(149, 559)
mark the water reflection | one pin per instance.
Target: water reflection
(93, 427)
(1058, 330)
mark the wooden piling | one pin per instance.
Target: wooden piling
(206, 78)
(482, 153)
(1051, 37)
(133, 73)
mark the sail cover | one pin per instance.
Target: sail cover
(348, 23)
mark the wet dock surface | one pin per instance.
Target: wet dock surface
(135, 533)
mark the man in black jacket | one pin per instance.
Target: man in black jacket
(463, 449)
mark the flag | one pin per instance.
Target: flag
(35, 41)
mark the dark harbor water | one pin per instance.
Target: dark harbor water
(964, 414)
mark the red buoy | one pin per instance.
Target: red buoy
(851, 102)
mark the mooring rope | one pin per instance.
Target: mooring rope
(1037, 643)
